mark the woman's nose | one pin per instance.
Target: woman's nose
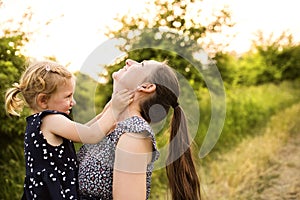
(130, 62)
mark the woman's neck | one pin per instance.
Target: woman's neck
(130, 111)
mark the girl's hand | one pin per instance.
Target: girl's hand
(120, 101)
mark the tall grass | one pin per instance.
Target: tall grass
(248, 109)
(237, 174)
(12, 169)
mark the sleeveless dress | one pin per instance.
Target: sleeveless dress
(51, 171)
(96, 162)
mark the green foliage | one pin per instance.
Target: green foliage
(11, 67)
(277, 58)
(172, 15)
(228, 67)
(12, 168)
(249, 108)
(168, 35)
(270, 60)
(85, 98)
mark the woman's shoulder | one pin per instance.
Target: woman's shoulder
(136, 124)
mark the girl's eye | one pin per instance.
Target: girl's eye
(142, 64)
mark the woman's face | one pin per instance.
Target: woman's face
(132, 74)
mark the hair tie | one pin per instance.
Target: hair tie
(175, 105)
(48, 68)
(17, 86)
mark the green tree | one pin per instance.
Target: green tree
(288, 61)
(11, 67)
(12, 64)
(228, 66)
(270, 60)
(280, 57)
(170, 34)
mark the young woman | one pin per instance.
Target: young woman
(120, 166)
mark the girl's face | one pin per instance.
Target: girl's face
(132, 74)
(62, 99)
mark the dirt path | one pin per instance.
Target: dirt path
(283, 175)
(264, 167)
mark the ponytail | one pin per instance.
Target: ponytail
(181, 172)
(13, 104)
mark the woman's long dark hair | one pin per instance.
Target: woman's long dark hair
(181, 172)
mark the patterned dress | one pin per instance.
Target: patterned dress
(96, 162)
(51, 171)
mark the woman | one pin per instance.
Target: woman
(120, 166)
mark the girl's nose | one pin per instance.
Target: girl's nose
(73, 102)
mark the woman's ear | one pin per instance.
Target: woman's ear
(147, 88)
(42, 101)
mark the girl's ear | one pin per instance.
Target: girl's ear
(147, 88)
(42, 101)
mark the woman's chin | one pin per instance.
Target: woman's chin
(115, 90)
(114, 75)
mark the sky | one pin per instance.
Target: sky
(77, 27)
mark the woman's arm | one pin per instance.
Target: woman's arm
(133, 153)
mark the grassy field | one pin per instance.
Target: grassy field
(239, 173)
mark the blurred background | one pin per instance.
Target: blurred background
(254, 45)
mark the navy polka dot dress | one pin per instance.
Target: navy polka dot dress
(96, 162)
(51, 171)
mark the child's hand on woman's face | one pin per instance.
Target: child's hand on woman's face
(120, 100)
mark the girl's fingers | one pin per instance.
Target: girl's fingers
(122, 91)
(126, 96)
(130, 100)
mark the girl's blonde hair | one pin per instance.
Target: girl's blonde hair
(39, 77)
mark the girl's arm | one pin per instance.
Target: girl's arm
(99, 115)
(133, 153)
(59, 125)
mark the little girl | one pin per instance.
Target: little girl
(50, 158)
